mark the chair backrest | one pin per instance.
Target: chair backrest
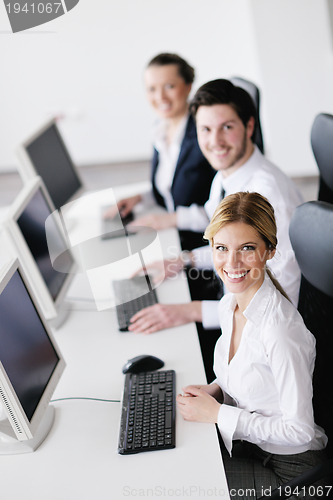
(322, 147)
(311, 235)
(253, 90)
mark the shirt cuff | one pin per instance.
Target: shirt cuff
(202, 257)
(192, 218)
(227, 422)
(210, 314)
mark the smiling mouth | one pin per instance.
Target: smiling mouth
(164, 106)
(236, 276)
(220, 152)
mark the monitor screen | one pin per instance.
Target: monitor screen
(32, 225)
(26, 351)
(52, 162)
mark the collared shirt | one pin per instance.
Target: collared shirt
(260, 175)
(268, 383)
(168, 155)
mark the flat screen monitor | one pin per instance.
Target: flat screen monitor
(30, 364)
(45, 154)
(26, 235)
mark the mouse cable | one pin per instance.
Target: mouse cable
(87, 399)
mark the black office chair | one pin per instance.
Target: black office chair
(322, 147)
(311, 235)
(254, 93)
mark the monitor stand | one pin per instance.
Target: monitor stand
(10, 445)
(62, 314)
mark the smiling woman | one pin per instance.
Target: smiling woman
(251, 239)
(181, 175)
(261, 398)
(167, 88)
(240, 256)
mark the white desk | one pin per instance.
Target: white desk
(79, 460)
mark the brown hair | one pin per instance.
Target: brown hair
(184, 69)
(252, 209)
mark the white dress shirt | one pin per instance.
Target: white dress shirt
(260, 175)
(267, 385)
(168, 154)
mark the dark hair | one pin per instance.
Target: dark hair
(224, 92)
(184, 69)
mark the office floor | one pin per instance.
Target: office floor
(102, 176)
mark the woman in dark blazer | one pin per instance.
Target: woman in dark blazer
(180, 173)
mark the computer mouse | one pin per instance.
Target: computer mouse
(143, 363)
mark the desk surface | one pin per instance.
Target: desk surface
(79, 459)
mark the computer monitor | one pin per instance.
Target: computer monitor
(30, 364)
(24, 231)
(44, 153)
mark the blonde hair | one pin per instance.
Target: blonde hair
(252, 209)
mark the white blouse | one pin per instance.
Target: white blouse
(168, 155)
(267, 385)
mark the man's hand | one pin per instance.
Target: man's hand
(161, 316)
(161, 269)
(197, 405)
(124, 207)
(156, 221)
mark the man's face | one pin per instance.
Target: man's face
(223, 138)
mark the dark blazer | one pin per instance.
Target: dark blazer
(193, 175)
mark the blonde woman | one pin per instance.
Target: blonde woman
(261, 399)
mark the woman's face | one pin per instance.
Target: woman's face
(240, 256)
(167, 91)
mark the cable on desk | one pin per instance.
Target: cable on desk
(89, 399)
(85, 304)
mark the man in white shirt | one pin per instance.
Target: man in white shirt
(225, 124)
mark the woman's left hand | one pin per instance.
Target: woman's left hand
(198, 406)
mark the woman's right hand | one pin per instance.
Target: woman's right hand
(198, 405)
(124, 206)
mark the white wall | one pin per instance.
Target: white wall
(88, 65)
(294, 46)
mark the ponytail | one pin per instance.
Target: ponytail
(277, 284)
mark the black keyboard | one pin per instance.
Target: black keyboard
(148, 412)
(126, 306)
(116, 227)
